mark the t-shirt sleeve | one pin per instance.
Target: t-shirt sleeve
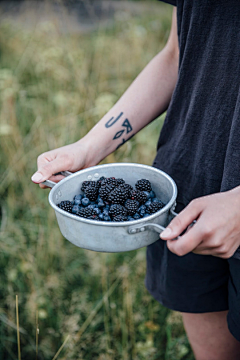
(172, 2)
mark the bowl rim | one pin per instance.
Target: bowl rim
(171, 203)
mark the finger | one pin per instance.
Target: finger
(55, 179)
(186, 243)
(183, 220)
(46, 170)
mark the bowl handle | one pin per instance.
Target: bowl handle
(51, 184)
(156, 227)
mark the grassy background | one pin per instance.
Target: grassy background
(54, 87)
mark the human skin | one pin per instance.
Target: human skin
(146, 98)
(217, 230)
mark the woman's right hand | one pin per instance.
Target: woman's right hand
(67, 158)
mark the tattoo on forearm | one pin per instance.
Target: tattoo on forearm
(112, 121)
(123, 141)
(126, 128)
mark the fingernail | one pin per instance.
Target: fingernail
(37, 177)
(167, 232)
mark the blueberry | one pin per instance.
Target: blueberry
(136, 216)
(106, 218)
(146, 215)
(147, 193)
(147, 203)
(155, 200)
(142, 208)
(152, 194)
(101, 203)
(130, 218)
(142, 213)
(85, 201)
(75, 209)
(105, 212)
(107, 206)
(100, 216)
(91, 206)
(97, 211)
(78, 197)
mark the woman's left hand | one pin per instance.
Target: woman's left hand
(217, 228)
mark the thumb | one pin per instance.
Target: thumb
(182, 220)
(47, 170)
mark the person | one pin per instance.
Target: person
(196, 77)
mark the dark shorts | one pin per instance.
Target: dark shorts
(195, 283)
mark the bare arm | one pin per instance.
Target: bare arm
(146, 98)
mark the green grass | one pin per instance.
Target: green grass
(54, 88)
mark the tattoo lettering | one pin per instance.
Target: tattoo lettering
(127, 125)
(112, 121)
(118, 134)
(123, 141)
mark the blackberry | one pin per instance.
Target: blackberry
(66, 206)
(91, 192)
(100, 180)
(86, 184)
(105, 190)
(140, 196)
(119, 195)
(117, 209)
(128, 188)
(131, 206)
(155, 206)
(120, 218)
(143, 185)
(120, 181)
(93, 217)
(110, 180)
(86, 212)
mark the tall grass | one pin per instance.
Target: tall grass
(72, 303)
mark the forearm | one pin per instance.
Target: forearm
(146, 98)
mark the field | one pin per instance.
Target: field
(73, 304)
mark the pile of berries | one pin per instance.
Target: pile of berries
(111, 199)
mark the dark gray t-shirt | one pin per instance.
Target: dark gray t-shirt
(199, 145)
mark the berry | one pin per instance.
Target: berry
(110, 180)
(101, 203)
(75, 209)
(152, 194)
(85, 201)
(77, 199)
(131, 206)
(155, 206)
(143, 185)
(119, 195)
(100, 216)
(120, 182)
(66, 206)
(106, 218)
(147, 203)
(140, 196)
(91, 192)
(86, 212)
(120, 218)
(105, 190)
(128, 188)
(86, 184)
(130, 218)
(100, 180)
(136, 216)
(147, 193)
(117, 209)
